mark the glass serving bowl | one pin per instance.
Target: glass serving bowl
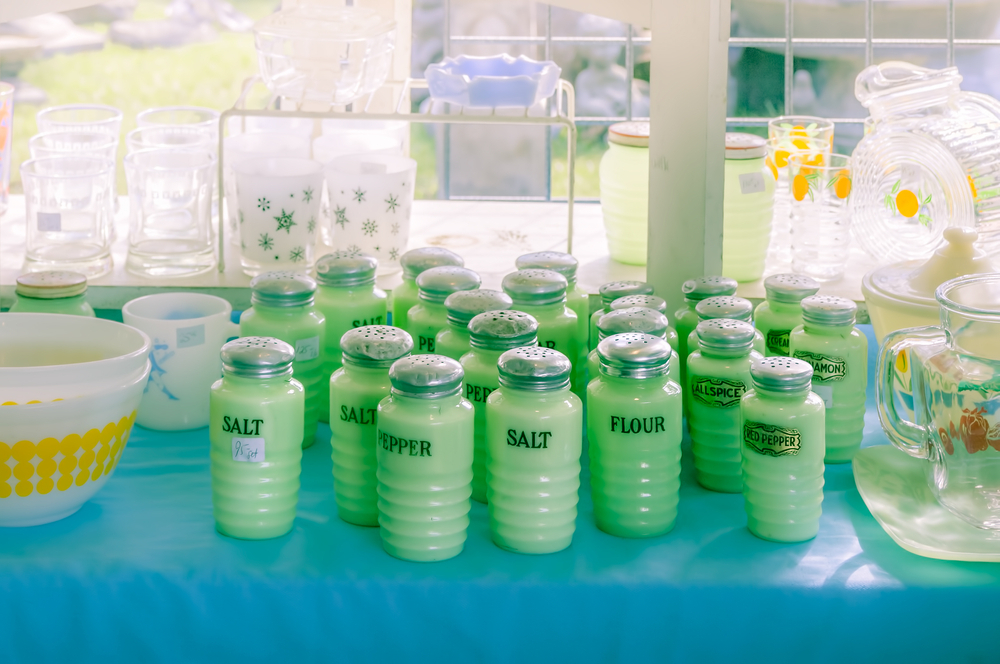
(491, 82)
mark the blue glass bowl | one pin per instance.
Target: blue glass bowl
(491, 82)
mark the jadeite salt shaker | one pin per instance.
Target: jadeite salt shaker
(634, 427)
(610, 292)
(462, 307)
(429, 316)
(424, 452)
(534, 438)
(348, 298)
(838, 354)
(414, 262)
(685, 319)
(783, 448)
(718, 377)
(283, 306)
(355, 392)
(490, 335)
(635, 319)
(255, 432)
(52, 292)
(781, 312)
(725, 306)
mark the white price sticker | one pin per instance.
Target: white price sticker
(752, 183)
(248, 449)
(307, 349)
(824, 392)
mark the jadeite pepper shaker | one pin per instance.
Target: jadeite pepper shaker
(534, 438)
(635, 319)
(718, 377)
(453, 341)
(610, 292)
(414, 262)
(52, 292)
(283, 306)
(348, 298)
(355, 392)
(781, 312)
(424, 451)
(255, 433)
(634, 427)
(725, 306)
(490, 335)
(429, 316)
(685, 320)
(838, 354)
(783, 448)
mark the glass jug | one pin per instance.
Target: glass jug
(955, 373)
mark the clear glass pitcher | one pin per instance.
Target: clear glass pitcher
(955, 370)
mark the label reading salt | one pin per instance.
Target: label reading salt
(248, 449)
(752, 183)
(189, 337)
(824, 392)
(50, 222)
(307, 349)
(373, 168)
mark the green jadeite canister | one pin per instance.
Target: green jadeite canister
(782, 422)
(283, 306)
(429, 316)
(838, 354)
(635, 429)
(534, 439)
(348, 298)
(685, 319)
(255, 436)
(414, 262)
(610, 292)
(453, 341)
(490, 335)
(635, 319)
(52, 292)
(424, 452)
(355, 392)
(781, 312)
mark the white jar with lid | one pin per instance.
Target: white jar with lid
(748, 202)
(624, 178)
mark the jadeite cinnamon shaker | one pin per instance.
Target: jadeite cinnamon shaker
(414, 262)
(429, 316)
(685, 319)
(781, 312)
(52, 292)
(610, 292)
(462, 307)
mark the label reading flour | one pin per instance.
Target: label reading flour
(307, 349)
(248, 449)
(752, 183)
(771, 440)
(826, 368)
(777, 341)
(717, 392)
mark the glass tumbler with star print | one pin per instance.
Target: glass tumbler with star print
(371, 196)
(279, 201)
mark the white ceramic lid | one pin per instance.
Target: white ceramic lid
(634, 134)
(745, 146)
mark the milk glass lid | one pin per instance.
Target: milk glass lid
(464, 305)
(633, 134)
(257, 357)
(342, 269)
(426, 376)
(829, 310)
(437, 283)
(51, 284)
(535, 286)
(416, 261)
(282, 289)
(613, 290)
(503, 330)
(534, 368)
(648, 301)
(633, 319)
(725, 306)
(781, 374)
(725, 334)
(634, 355)
(375, 346)
(745, 146)
(558, 261)
(705, 287)
(790, 288)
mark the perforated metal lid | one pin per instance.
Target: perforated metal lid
(725, 334)
(534, 368)
(341, 269)
(634, 355)
(375, 346)
(828, 310)
(725, 306)
(257, 357)
(463, 306)
(426, 376)
(535, 287)
(51, 284)
(633, 319)
(557, 261)
(503, 330)
(781, 374)
(790, 288)
(613, 290)
(282, 289)
(416, 261)
(705, 287)
(437, 283)
(648, 301)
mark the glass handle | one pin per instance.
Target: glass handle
(907, 436)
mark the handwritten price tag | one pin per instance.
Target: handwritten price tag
(306, 349)
(248, 449)
(751, 183)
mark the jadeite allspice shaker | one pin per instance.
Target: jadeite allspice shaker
(348, 298)
(534, 439)
(838, 354)
(781, 312)
(255, 433)
(283, 305)
(634, 319)
(52, 292)
(685, 319)
(462, 307)
(634, 427)
(718, 377)
(783, 447)
(610, 292)
(490, 335)
(414, 262)
(355, 392)
(424, 451)
(429, 316)
(725, 306)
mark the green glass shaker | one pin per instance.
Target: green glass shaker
(52, 292)
(355, 392)
(283, 306)
(490, 335)
(453, 341)
(610, 292)
(255, 433)
(348, 298)
(725, 306)
(414, 262)
(781, 312)
(685, 319)
(634, 427)
(635, 319)
(424, 452)
(429, 316)
(534, 438)
(648, 301)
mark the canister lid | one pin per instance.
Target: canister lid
(648, 301)
(535, 287)
(829, 310)
(634, 355)
(725, 334)
(51, 284)
(534, 368)
(416, 261)
(342, 269)
(503, 330)
(437, 283)
(745, 146)
(725, 306)
(282, 289)
(706, 287)
(781, 374)
(558, 261)
(633, 134)
(463, 306)
(426, 376)
(375, 346)
(613, 290)
(257, 357)
(790, 288)
(633, 319)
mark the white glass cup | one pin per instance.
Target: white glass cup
(170, 212)
(187, 331)
(6, 140)
(330, 146)
(79, 142)
(69, 205)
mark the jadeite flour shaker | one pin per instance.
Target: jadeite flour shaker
(685, 320)
(52, 292)
(462, 307)
(414, 262)
(429, 316)
(781, 312)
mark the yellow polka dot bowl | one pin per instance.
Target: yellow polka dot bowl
(69, 390)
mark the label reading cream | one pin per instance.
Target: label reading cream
(777, 341)
(408, 446)
(826, 368)
(477, 393)
(771, 440)
(307, 349)
(248, 449)
(717, 392)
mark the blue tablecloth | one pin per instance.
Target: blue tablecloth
(139, 574)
